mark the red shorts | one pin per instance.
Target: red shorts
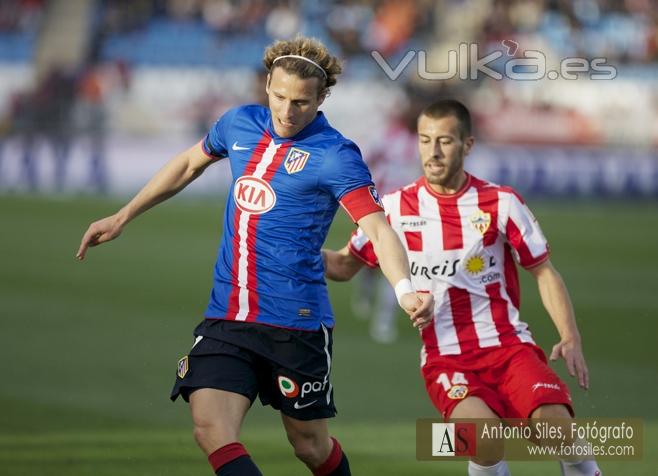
(513, 381)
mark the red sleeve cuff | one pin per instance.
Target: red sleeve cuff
(366, 255)
(536, 261)
(361, 202)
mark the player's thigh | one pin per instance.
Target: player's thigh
(489, 450)
(528, 383)
(472, 407)
(449, 386)
(219, 410)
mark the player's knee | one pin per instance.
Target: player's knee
(201, 434)
(210, 435)
(486, 461)
(307, 447)
(490, 452)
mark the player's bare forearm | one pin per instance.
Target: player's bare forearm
(395, 266)
(556, 300)
(171, 179)
(386, 244)
(340, 265)
(167, 182)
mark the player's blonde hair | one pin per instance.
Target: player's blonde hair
(309, 48)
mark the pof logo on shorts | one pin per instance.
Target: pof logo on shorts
(183, 367)
(458, 392)
(288, 387)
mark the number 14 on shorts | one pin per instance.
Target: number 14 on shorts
(456, 386)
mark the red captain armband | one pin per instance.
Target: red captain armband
(361, 202)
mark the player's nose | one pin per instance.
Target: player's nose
(436, 151)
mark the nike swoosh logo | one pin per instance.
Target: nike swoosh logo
(235, 146)
(299, 407)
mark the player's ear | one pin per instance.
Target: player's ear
(267, 83)
(468, 144)
(324, 93)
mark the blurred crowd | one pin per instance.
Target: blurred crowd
(22, 15)
(622, 30)
(64, 105)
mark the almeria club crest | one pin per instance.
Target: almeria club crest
(480, 221)
(295, 161)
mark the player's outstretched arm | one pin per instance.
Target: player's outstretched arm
(555, 297)
(395, 266)
(340, 265)
(170, 180)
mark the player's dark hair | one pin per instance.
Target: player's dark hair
(310, 48)
(451, 107)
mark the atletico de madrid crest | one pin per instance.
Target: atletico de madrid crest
(375, 195)
(480, 221)
(183, 367)
(295, 161)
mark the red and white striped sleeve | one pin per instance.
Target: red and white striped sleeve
(524, 234)
(361, 248)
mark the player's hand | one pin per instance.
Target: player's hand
(99, 232)
(571, 351)
(420, 307)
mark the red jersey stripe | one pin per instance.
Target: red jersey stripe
(498, 306)
(488, 203)
(414, 240)
(516, 240)
(252, 280)
(462, 317)
(451, 224)
(511, 278)
(409, 206)
(430, 341)
(234, 299)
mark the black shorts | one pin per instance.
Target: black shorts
(288, 369)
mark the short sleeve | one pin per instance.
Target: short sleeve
(347, 178)
(361, 248)
(524, 234)
(216, 143)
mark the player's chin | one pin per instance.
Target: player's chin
(435, 179)
(288, 129)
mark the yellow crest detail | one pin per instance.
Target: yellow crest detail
(183, 367)
(480, 221)
(458, 392)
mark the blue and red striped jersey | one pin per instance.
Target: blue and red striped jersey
(282, 200)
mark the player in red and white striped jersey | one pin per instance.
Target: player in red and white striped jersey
(464, 238)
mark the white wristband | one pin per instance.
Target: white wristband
(403, 287)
